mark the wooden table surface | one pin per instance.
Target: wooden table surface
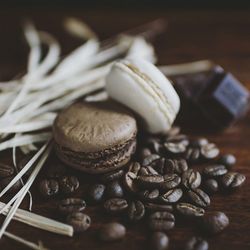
(222, 36)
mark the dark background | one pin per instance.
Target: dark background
(215, 4)
(216, 30)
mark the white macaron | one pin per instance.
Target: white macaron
(142, 87)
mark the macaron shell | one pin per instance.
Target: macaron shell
(159, 79)
(140, 97)
(92, 127)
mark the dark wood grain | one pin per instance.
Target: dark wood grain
(222, 36)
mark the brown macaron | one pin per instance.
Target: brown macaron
(95, 137)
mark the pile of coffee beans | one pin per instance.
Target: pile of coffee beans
(172, 177)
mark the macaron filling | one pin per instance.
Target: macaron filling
(102, 161)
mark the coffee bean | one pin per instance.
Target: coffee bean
(233, 180)
(6, 170)
(191, 179)
(48, 187)
(170, 181)
(215, 170)
(150, 181)
(175, 148)
(180, 138)
(190, 210)
(169, 167)
(151, 170)
(112, 231)
(115, 205)
(155, 146)
(134, 167)
(71, 205)
(196, 243)
(160, 166)
(129, 182)
(79, 221)
(171, 196)
(149, 195)
(143, 171)
(192, 154)
(215, 222)
(56, 171)
(114, 190)
(69, 184)
(180, 166)
(211, 185)
(199, 197)
(145, 152)
(227, 160)
(209, 151)
(150, 159)
(112, 176)
(136, 211)
(158, 207)
(199, 142)
(159, 241)
(161, 221)
(96, 193)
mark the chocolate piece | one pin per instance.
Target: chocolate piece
(214, 96)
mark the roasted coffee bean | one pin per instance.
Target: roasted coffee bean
(192, 154)
(69, 184)
(215, 222)
(170, 181)
(112, 176)
(191, 179)
(56, 171)
(115, 205)
(180, 138)
(175, 148)
(143, 171)
(151, 170)
(160, 166)
(199, 142)
(149, 195)
(196, 243)
(134, 167)
(71, 205)
(215, 170)
(48, 187)
(159, 241)
(112, 231)
(171, 196)
(136, 211)
(233, 180)
(114, 190)
(227, 160)
(145, 152)
(209, 151)
(79, 221)
(96, 193)
(169, 167)
(6, 170)
(150, 181)
(129, 182)
(211, 186)
(199, 197)
(181, 166)
(158, 207)
(150, 159)
(189, 210)
(161, 221)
